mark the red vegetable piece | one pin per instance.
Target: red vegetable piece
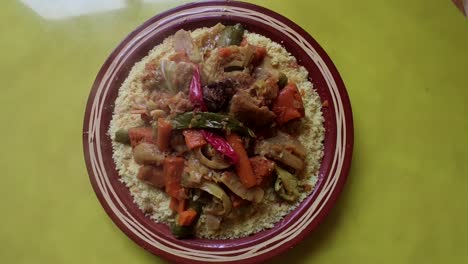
(221, 145)
(195, 90)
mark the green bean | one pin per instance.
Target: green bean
(181, 231)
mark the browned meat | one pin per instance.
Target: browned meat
(217, 67)
(217, 95)
(245, 108)
(265, 90)
(151, 175)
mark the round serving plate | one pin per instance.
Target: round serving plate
(157, 238)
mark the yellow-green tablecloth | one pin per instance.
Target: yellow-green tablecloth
(405, 65)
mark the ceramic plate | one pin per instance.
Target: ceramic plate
(116, 198)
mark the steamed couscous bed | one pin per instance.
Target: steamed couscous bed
(257, 216)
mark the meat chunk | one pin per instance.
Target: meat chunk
(217, 95)
(151, 175)
(265, 90)
(247, 110)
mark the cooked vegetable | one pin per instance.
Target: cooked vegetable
(140, 134)
(213, 222)
(184, 42)
(221, 145)
(216, 162)
(195, 90)
(121, 136)
(262, 168)
(178, 143)
(187, 217)
(243, 167)
(232, 68)
(280, 154)
(168, 70)
(231, 181)
(172, 169)
(282, 80)
(181, 231)
(152, 175)
(177, 76)
(164, 134)
(210, 120)
(219, 193)
(231, 35)
(288, 105)
(193, 173)
(224, 52)
(174, 204)
(181, 205)
(146, 153)
(289, 143)
(194, 138)
(286, 185)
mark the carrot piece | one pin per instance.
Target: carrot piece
(174, 204)
(138, 135)
(164, 134)
(186, 218)
(194, 138)
(243, 167)
(288, 105)
(236, 201)
(262, 168)
(260, 53)
(172, 170)
(181, 206)
(224, 52)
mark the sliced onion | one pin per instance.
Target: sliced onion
(216, 163)
(219, 193)
(221, 145)
(195, 90)
(231, 181)
(184, 42)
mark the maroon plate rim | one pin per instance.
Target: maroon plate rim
(156, 238)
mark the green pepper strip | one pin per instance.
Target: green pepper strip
(210, 120)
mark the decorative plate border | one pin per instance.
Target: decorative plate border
(259, 247)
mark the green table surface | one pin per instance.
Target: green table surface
(405, 65)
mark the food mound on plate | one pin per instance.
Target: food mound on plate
(217, 133)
